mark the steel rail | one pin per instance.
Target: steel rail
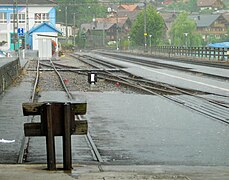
(25, 140)
(159, 64)
(203, 110)
(88, 136)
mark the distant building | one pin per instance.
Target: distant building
(128, 7)
(20, 16)
(62, 28)
(210, 4)
(226, 16)
(99, 33)
(169, 18)
(106, 29)
(123, 23)
(211, 25)
(124, 10)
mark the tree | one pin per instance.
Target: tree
(190, 6)
(183, 32)
(154, 26)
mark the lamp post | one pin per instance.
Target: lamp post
(150, 36)
(128, 42)
(186, 39)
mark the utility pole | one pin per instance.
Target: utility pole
(103, 34)
(27, 23)
(14, 26)
(145, 33)
(117, 35)
(66, 23)
(17, 22)
(74, 24)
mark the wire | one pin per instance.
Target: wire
(104, 2)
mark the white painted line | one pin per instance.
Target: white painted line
(177, 77)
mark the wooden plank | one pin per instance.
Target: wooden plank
(81, 127)
(79, 108)
(31, 108)
(34, 129)
(35, 108)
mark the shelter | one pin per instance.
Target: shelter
(43, 38)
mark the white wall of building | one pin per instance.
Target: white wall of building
(62, 28)
(8, 27)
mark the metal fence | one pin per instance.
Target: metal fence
(219, 54)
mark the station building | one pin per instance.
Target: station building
(23, 22)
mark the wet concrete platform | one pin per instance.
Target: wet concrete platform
(177, 78)
(103, 109)
(93, 172)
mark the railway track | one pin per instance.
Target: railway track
(155, 64)
(24, 150)
(197, 101)
(192, 99)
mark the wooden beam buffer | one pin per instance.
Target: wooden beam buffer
(57, 119)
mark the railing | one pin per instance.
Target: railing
(208, 53)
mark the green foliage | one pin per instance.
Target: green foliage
(154, 26)
(226, 3)
(66, 46)
(84, 11)
(191, 6)
(128, 1)
(182, 32)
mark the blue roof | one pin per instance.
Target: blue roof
(44, 27)
(219, 45)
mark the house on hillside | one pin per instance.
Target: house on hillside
(103, 30)
(226, 16)
(210, 4)
(99, 33)
(123, 23)
(211, 25)
(128, 7)
(124, 10)
(169, 18)
(16, 20)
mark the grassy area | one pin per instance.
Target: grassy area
(226, 2)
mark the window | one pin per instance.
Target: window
(41, 17)
(3, 17)
(21, 18)
(3, 38)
